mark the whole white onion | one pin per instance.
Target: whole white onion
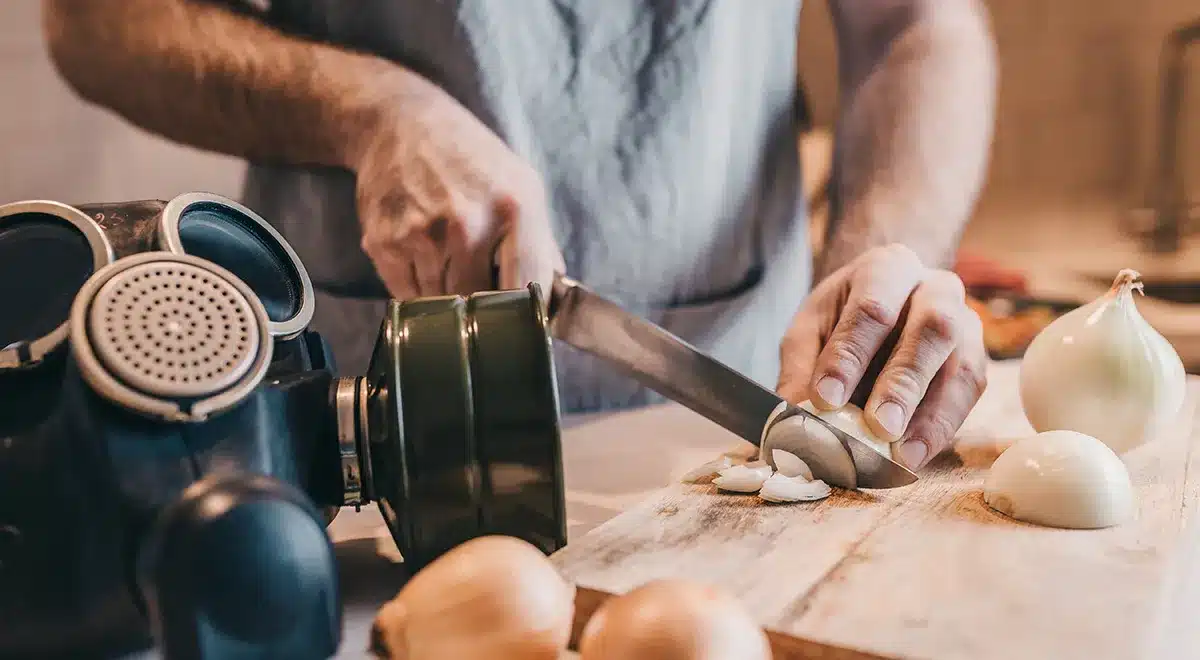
(1103, 371)
(1061, 479)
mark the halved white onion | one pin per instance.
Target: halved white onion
(1061, 479)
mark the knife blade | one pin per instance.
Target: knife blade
(670, 366)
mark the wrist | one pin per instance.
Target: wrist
(384, 97)
(881, 221)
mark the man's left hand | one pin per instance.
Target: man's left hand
(888, 331)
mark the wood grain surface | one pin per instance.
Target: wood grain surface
(929, 571)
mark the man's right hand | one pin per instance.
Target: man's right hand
(439, 196)
(442, 200)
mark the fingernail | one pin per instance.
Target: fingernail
(891, 418)
(913, 453)
(831, 391)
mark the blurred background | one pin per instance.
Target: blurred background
(1069, 198)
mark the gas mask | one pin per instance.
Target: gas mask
(174, 439)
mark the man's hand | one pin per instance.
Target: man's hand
(439, 195)
(886, 329)
(441, 199)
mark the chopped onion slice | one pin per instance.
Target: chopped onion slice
(742, 479)
(760, 468)
(791, 465)
(780, 489)
(706, 472)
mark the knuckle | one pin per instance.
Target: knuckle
(844, 361)
(903, 385)
(873, 311)
(445, 232)
(949, 285)
(974, 377)
(374, 241)
(463, 210)
(457, 205)
(901, 253)
(956, 285)
(388, 205)
(878, 254)
(892, 260)
(939, 326)
(938, 429)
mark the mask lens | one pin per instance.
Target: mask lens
(236, 239)
(45, 257)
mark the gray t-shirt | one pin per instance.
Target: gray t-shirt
(665, 131)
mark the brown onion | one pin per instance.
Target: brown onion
(673, 620)
(492, 598)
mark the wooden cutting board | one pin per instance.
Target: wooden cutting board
(928, 571)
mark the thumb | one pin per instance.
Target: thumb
(797, 358)
(527, 253)
(399, 275)
(520, 263)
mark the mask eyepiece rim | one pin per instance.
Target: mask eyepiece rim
(31, 353)
(171, 241)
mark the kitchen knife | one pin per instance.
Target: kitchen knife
(670, 366)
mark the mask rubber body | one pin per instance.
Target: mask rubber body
(114, 523)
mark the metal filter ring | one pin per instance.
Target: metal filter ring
(171, 336)
(70, 247)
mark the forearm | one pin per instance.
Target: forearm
(915, 130)
(202, 75)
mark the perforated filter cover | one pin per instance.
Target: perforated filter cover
(173, 330)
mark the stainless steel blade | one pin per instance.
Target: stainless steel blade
(672, 367)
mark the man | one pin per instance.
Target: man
(647, 146)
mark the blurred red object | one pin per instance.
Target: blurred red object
(978, 272)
